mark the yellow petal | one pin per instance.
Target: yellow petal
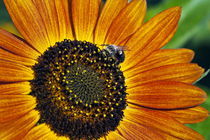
(150, 36)
(114, 136)
(14, 106)
(62, 138)
(127, 22)
(187, 73)
(16, 45)
(11, 72)
(15, 88)
(38, 133)
(166, 95)
(17, 129)
(109, 12)
(85, 14)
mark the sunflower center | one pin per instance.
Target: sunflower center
(84, 83)
(80, 90)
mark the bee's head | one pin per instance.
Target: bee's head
(120, 55)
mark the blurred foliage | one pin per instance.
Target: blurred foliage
(3, 13)
(193, 33)
(5, 20)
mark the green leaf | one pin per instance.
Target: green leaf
(195, 16)
(203, 75)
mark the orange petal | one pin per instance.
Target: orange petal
(56, 19)
(11, 72)
(41, 23)
(16, 45)
(15, 130)
(127, 22)
(189, 115)
(29, 22)
(85, 14)
(150, 36)
(7, 56)
(161, 122)
(187, 73)
(131, 130)
(166, 95)
(15, 88)
(161, 57)
(109, 12)
(114, 136)
(14, 106)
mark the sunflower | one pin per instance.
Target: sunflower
(68, 77)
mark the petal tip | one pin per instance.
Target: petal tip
(175, 10)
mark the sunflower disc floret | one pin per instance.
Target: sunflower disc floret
(80, 90)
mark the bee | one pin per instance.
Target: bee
(116, 52)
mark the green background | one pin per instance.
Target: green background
(193, 33)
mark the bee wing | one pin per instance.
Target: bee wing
(124, 48)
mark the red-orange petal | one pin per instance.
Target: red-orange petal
(11, 72)
(15, 88)
(17, 129)
(150, 36)
(16, 45)
(189, 115)
(7, 56)
(131, 130)
(187, 73)
(14, 106)
(110, 10)
(159, 58)
(127, 22)
(85, 14)
(166, 95)
(163, 123)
